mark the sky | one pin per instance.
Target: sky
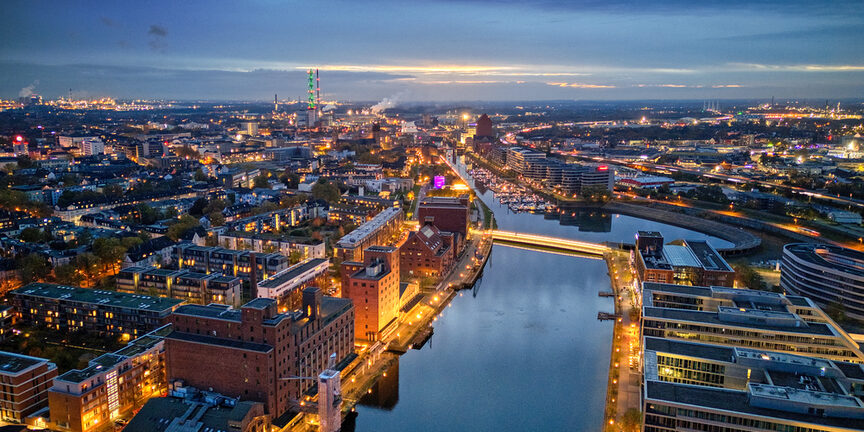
(434, 50)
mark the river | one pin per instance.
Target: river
(521, 351)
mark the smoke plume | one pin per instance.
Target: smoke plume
(27, 91)
(387, 102)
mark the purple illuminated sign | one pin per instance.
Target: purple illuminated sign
(439, 182)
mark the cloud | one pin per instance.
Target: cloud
(797, 68)
(580, 85)
(107, 21)
(157, 30)
(156, 38)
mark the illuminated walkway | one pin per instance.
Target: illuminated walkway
(546, 241)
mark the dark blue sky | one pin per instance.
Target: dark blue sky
(435, 49)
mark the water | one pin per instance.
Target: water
(524, 351)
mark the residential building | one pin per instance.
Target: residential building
(826, 274)
(744, 318)
(112, 385)
(230, 262)
(193, 287)
(286, 287)
(373, 287)
(25, 382)
(69, 309)
(382, 229)
(252, 353)
(264, 242)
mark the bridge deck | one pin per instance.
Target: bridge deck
(548, 241)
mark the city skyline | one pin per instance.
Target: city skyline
(445, 50)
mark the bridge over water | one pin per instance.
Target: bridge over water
(543, 241)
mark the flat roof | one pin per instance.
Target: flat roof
(358, 235)
(292, 272)
(680, 256)
(834, 257)
(712, 318)
(12, 363)
(734, 401)
(101, 297)
(690, 349)
(693, 290)
(217, 341)
(707, 255)
(158, 413)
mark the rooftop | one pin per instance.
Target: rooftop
(353, 238)
(13, 364)
(712, 318)
(292, 272)
(734, 401)
(158, 415)
(833, 257)
(105, 298)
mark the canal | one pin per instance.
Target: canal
(523, 350)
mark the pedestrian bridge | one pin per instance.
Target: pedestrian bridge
(547, 241)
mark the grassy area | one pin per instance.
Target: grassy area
(413, 208)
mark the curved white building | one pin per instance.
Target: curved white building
(826, 274)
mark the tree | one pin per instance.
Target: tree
(631, 421)
(147, 215)
(33, 235)
(295, 256)
(67, 274)
(290, 180)
(33, 268)
(177, 229)
(88, 265)
(198, 206)
(261, 182)
(200, 176)
(746, 276)
(70, 179)
(326, 190)
(596, 194)
(110, 252)
(216, 218)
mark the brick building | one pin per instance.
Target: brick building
(687, 262)
(250, 352)
(25, 381)
(447, 214)
(112, 385)
(373, 287)
(427, 252)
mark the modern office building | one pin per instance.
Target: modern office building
(427, 252)
(692, 262)
(111, 386)
(381, 230)
(193, 287)
(252, 353)
(447, 214)
(744, 318)
(518, 158)
(25, 381)
(693, 386)
(286, 287)
(229, 262)
(826, 274)
(373, 287)
(69, 309)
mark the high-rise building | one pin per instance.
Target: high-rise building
(256, 353)
(373, 287)
(826, 274)
(90, 147)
